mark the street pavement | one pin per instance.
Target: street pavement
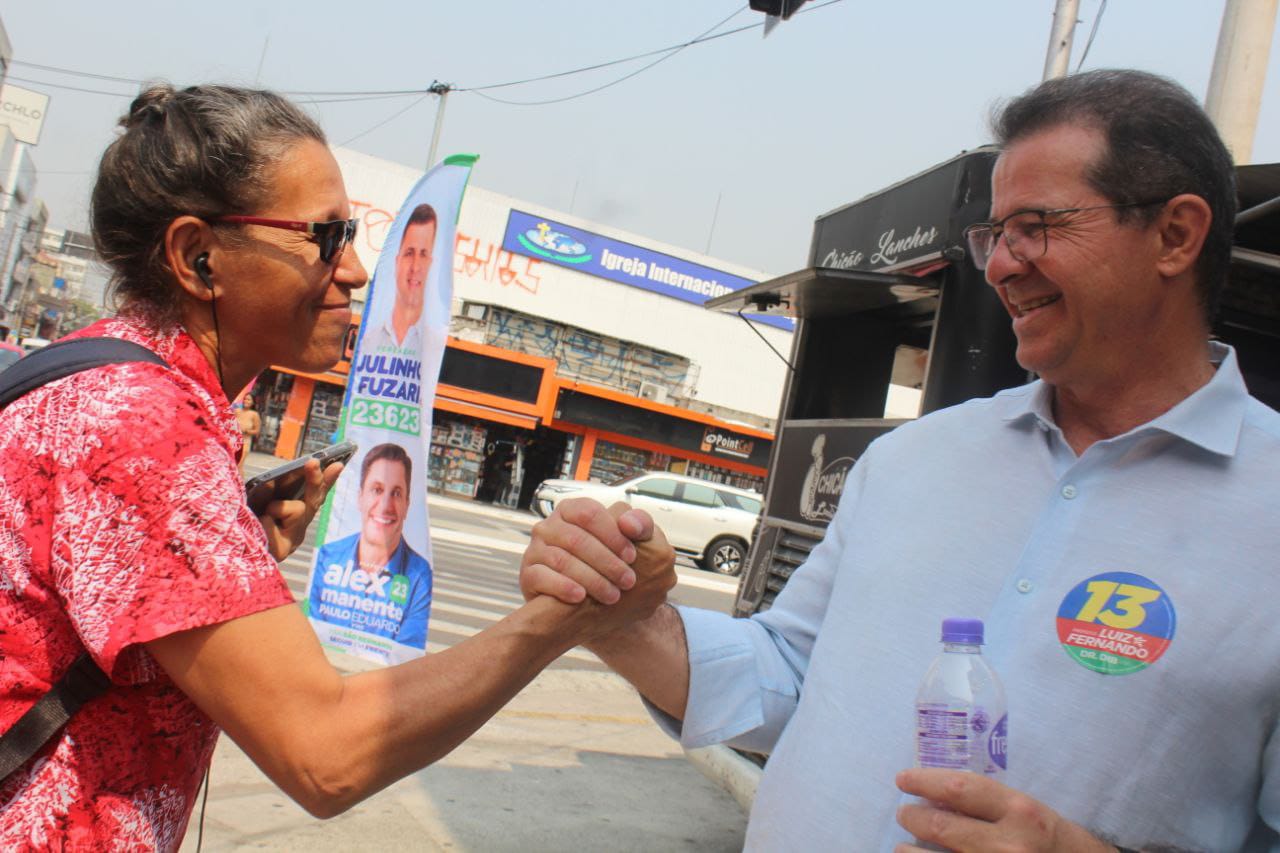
(572, 762)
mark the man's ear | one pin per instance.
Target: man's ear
(1183, 226)
(186, 240)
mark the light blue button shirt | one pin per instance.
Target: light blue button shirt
(982, 510)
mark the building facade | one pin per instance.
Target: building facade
(560, 368)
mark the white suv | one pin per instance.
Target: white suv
(709, 522)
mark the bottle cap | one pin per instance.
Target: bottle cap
(962, 631)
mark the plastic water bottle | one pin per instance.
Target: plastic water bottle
(961, 722)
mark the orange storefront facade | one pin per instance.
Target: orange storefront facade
(503, 421)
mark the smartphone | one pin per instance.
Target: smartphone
(287, 482)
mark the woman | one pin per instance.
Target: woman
(250, 424)
(123, 527)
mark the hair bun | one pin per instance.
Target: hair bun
(149, 106)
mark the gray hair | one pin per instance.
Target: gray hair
(207, 151)
(1160, 144)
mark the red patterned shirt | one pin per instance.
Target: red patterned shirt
(122, 520)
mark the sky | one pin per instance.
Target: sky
(730, 147)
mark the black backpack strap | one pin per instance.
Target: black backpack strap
(82, 682)
(65, 358)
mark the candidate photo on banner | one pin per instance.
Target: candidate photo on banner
(370, 588)
(373, 580)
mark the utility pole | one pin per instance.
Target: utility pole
(441, 90)
(1058, 59)
(1239, 71)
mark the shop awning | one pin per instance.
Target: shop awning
(476, 410)
(823, 292)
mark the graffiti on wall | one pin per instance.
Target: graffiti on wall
(473, 256)
(523, 333)
(585, 355)
(374, 224)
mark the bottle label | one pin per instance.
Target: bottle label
(1116, 623)
(942, 737)
(961, 739)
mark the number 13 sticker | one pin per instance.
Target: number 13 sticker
(1116, 623)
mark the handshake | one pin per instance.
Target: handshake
(613, 566)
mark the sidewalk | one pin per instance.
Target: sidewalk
(572, 763)
(516, 516)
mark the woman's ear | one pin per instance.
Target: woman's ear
(188, 250)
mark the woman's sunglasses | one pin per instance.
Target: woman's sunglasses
(332, 237)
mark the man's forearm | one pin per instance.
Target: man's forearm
(654, 656)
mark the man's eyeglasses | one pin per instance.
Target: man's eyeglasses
(332, 237)
(1026, 232)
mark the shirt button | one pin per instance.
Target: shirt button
(1024, 585)
(1069, 491)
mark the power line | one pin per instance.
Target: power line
(133, 81)
(703, 38)
(71, 88)
(341, 100)
(339, 97)
(363, 99)
(672, 52)
(373, 94)
(1092, 32)
(386, 120)
(73, 73)
(667, 52)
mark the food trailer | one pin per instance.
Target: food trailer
(889, 300)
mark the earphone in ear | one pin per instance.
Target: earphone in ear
(201, 266)
(202, 269)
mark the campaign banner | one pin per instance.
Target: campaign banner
(369, 593)
(622, 262)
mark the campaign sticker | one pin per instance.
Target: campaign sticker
(400, 589)
(1116, 623)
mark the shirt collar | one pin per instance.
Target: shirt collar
(179, 350)
(1211, 417)
(390, 329)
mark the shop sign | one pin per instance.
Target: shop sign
(908, 223)
(23, 111)
(891, 250)
(621, 262)
(813, 464)
(718, 441)
(680, 434)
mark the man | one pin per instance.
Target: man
(1125, 501)
(401, 331)
(376, 564)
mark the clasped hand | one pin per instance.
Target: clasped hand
(584, 553)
